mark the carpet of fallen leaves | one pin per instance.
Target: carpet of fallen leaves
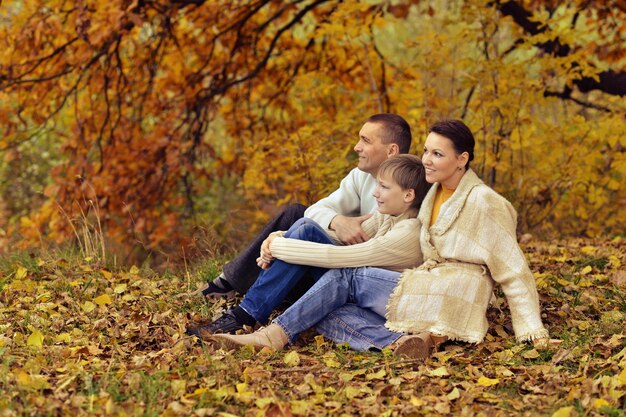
(77, 338)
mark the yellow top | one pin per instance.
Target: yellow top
(443, 194)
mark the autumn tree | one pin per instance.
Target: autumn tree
(164, 115)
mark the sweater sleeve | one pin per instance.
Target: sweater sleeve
(346, 200)
(398, 249)
(508, 267)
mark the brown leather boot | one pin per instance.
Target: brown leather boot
(418, 346)
(271, 336)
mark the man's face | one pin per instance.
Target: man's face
(372, 152)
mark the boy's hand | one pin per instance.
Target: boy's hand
(262, 264)
(266, 254)
(348, 229)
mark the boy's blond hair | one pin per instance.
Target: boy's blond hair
(408, 172)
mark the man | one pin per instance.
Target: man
(383, 135)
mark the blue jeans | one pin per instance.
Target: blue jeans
(273, 284)
(346, 305)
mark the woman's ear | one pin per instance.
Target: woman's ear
(463, 158)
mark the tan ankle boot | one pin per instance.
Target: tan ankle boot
(418, 346)
(271, 336)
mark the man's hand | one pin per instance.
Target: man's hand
(348, 229)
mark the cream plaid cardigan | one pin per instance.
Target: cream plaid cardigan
(471, 245)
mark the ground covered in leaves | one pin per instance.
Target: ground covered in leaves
(79, 338)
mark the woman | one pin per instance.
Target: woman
(468, 242)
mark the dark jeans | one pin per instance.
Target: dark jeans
(242, 271)
(273, 284)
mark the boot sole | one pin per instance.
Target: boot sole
(416, 347)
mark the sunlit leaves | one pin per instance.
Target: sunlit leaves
(55, 338)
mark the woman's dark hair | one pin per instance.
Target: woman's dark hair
(460, 135)
(397, 130)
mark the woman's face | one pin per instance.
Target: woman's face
(441, 161)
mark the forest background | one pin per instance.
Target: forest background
(165, 133)
(180, 127)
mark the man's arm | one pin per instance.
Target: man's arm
(348, 229)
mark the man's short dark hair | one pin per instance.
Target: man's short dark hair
(397, 130)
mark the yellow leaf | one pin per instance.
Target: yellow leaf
(63, 337)
(588, 250)
(120, 288)
(104, 299)
(417, 402)
(134, 270)
(563, 412)
(197, 392)
(441, 371)
(621, 378)
(487, 382)
(377, 375)
(352, 392)
(23, 378)
(88, 306)
(615, 262)
(599, 403)
(531, 354)
(242, 387)
(300, 407)
(586, 270)
(179, 386)
(292, 358)
(35, 339)
(454, 394)
(21, 273)
(331, 363)
(319, 341)
(108, 275)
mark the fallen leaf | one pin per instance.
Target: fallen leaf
(21, 273)
(487, 382)
(292, 358)
(531, 354)
(441, 371)
(35, 339)
(102, 300)
(88, 306)
(454, 394)
(563, 412)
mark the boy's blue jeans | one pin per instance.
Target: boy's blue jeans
(273, 284)
(346, 305)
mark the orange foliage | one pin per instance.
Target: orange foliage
(172, 114)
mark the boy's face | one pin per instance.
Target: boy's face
(391, 198)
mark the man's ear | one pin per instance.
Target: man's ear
(409, 195)
(393, 150)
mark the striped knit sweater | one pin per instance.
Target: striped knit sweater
(393, 244)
